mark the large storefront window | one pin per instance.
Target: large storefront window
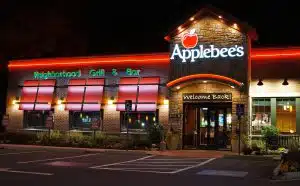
(85, 120)
(137, 122)
(35, 119)
(261, 114)
(286, 115)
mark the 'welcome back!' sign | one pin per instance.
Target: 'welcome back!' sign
(203, 97)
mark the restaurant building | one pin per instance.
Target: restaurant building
(210, 77)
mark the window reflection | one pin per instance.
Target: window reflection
(286, 115)
(261, 114)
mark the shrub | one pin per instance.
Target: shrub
(141, 142)
(85, 141)
(247, 150)
(110, 140)
(21, 138)
(269, 132)
(56, 138)
(258, 145)
(155, 133)
(98, 139)
(74, 138)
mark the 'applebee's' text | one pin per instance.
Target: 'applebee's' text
(203, 53)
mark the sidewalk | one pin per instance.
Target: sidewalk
(174, 153)
(193, 153)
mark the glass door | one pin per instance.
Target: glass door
(203, 124)
(215, 127)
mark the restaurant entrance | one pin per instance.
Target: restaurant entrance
(207, 125)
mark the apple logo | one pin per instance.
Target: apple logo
(190, 39)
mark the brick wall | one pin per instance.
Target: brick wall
(111, 120)
(15, 117)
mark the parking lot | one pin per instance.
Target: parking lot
(79, 167)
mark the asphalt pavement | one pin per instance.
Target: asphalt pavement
(20, 166)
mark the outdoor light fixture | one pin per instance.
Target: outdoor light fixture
(192, 19)
(178, 87)
(110, 101)
(220, 16)
(166, 102)
(285, 82)
(59, 102)
(232, 86)
(15, 101)
(260, 83)
(204, 81)
(235, 26)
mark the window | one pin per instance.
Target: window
(35, 119)
(138, 121)
(37, 95)
(286, 115)
(143, 91)
(85, 95)
(261, 114)
(84, 120)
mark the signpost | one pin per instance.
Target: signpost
(240, 111)
(95, 126)
(5, 120)
(128, 108)
(49, 124)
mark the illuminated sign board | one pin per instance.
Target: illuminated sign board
(203, 97)
(193, 52)
(78, 73)
(54, 74)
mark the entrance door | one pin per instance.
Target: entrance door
(212, 124)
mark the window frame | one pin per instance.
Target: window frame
(137, 131)
(26, 116)
(71, 121)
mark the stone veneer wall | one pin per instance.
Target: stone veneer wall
(213, 32)
(176, 105)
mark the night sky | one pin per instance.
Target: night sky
(67, 28)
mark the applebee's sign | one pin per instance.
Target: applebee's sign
(192, 52)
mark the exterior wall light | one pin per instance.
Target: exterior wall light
(110, 101)
(232, 86)
(285, 82)
(178, 87)
(59, 102)
(235, 26)
(220, 17)
(15, 101)
(166, 102)
(260, 83)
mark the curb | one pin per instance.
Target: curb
(7, 146)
